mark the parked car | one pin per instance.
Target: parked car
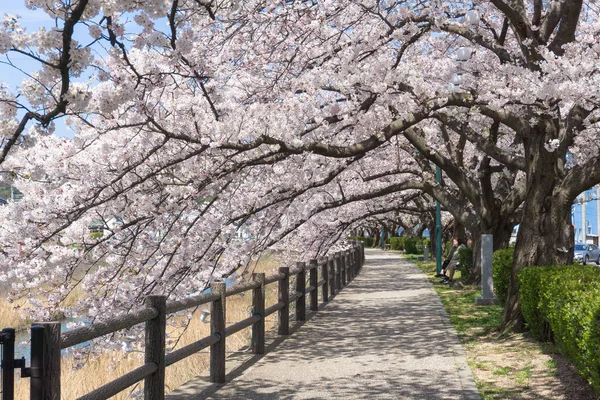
(585, 253)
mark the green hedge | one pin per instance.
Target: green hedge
(397, 243)
(465, 260)
(368, 240)
(410, 245)
(502, 265)
(563, 303)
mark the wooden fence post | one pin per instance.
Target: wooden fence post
(154, 385)
(344, 277)
(314, 280)
(51, 369)
(362, 247)
(217, 326)
(355, 259)
(338, 271)
(331, 276)
(351, 263)
(258, 305)
(284, 297)
(300, 288)
(325, 277)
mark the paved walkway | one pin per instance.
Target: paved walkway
(385, 336)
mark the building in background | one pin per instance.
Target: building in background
(585, 217)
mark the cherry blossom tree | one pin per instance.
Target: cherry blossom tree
(296, 120)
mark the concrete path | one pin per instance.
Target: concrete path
(385, 336)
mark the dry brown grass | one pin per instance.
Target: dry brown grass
(111, 365)
(11, 315)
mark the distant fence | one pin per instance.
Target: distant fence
(331, 275)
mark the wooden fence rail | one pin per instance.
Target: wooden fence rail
(335, 273)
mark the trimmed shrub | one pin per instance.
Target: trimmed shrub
(465, 259)
(532, 282)
(563, 303)
(367, 240)
(502, 265)
(397, 243)
(97, 235)
(410, 246)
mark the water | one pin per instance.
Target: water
(22, 338)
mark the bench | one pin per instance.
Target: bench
(386, 246)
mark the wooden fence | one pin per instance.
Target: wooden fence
(334, 273)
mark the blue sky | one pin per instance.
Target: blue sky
(31, 20)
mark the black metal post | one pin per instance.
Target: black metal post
(36, 391)
(8, 364)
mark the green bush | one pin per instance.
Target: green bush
(97, 235)
(397, 243)
(465, 259)
(502, 265)
(410, 246)
(563, 304)
(367, 240)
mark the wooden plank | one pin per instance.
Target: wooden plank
(274, 308)
(217, 327)
(243, 287)
(274, 278)
(301, 287)
(121, 383)
(310, 289)
(52, 361)
(186, 351)
(154, 385)
(258, 308)
(189, 302)
(87, 333)
(313, 277)
(284, 297)
(238, 326)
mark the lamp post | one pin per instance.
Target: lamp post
(438, 226)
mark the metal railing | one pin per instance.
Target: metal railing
(47, 341)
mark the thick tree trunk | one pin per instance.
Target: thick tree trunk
(376, 238)
(545, 234)
(475, 276)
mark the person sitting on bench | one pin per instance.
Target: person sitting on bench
(451, 261)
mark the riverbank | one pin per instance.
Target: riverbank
(82, 374)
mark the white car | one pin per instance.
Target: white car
(585, 253)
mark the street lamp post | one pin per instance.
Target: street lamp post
(438, 226)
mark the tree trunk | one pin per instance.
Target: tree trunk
(545, 233)
(376, 238)
(475, 276)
